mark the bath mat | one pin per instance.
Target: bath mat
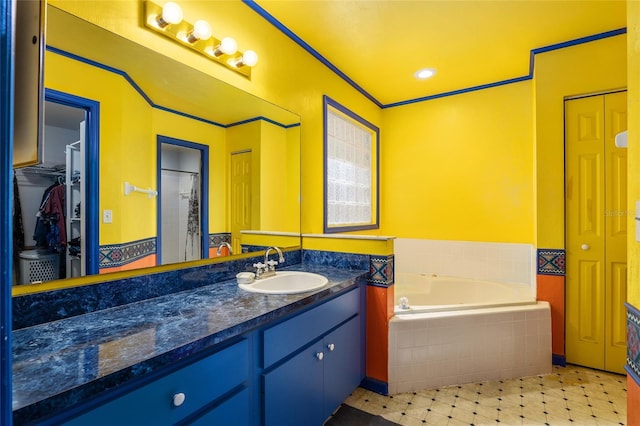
(349, 416)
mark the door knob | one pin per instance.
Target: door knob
(585, 247)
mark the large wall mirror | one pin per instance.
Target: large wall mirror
(110, 100)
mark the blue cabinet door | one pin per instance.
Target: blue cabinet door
(342, 369)
(293, 391)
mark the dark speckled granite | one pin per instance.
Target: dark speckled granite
(40, 308)
(336, 259)
(59, 363)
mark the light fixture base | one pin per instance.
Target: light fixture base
(177, 33)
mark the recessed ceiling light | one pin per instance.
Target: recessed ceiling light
(425, 73)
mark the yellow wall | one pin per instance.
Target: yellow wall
(633, 100)
(127, 151)
(241, 138)
(183, 128)
(473, 176)
(121, 145)
(582, 69)
(460, 167)
(286, 75)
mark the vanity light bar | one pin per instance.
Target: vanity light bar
(167, 20)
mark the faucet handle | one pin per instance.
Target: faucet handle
(272, 262)
(259, 265)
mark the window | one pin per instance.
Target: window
(350, 170)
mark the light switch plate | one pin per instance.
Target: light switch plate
(107, 216)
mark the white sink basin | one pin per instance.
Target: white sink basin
(286, 282)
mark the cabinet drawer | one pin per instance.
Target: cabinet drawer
(284, 338)
(153, 404)
(233, 412)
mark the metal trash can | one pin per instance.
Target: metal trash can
(37, 266)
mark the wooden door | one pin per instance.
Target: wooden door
(240, 196)
(596, 215)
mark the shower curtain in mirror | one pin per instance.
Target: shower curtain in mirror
(193, 221)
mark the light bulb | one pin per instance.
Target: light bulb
(171, 14)
(228, 46)
(249, 58)
(201, 31)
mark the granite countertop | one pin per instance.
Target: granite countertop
(58, 364)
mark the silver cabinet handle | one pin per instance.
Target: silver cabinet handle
(585, 247)
(331, 347)
(319, 355)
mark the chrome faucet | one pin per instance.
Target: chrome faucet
(224, 244)
(266, 256)
(268, 268)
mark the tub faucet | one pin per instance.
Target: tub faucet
(224, 244)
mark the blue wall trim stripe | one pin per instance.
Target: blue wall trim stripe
(293, 36)
(279, 25)
(7, 8)
(459, 91)
(268, 120)
(138, 89)
(632, 374)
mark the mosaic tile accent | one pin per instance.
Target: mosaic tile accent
(216, 239)
(633, 340)
(551, 262)
(337, 259)
(120, 254)
(381, 270)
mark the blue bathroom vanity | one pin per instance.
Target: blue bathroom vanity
(215, 354)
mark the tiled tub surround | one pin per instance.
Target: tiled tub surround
(500, 262)
(453, 346)
(432, 350)
(58, 364)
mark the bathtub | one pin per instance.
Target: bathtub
(456, 331)
(415, 293)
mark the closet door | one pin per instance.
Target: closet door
(596, 215)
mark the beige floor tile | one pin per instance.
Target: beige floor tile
(480, 420)
(540, 400)
(435, 419)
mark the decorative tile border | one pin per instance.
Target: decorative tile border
(633, 341)
(551, 262)
(381, 270)
(216, 239)
(337, 259)
(114, 255)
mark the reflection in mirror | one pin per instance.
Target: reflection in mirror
(183, 195)
(143, 94)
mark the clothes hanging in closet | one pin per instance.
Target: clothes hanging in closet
(50, 224)
(18, 227)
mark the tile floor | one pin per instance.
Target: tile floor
(571, 395)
